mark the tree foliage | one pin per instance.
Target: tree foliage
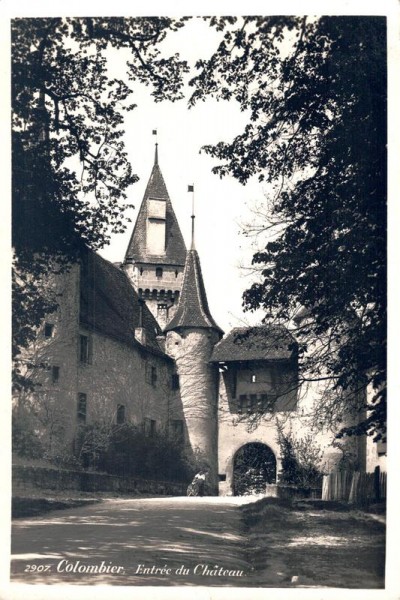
(315, 92)
(301, 460)
(70, 167)
(126, 450)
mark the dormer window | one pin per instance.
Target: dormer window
(159, 272)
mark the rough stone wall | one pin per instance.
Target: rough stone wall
(116, 374)
(56, 400)
(26, 478)
(198, 391)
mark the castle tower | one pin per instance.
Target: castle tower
(191, 336)
(155, 258)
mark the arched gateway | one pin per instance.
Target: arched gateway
(254, 465)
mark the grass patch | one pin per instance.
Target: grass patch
(295, 543)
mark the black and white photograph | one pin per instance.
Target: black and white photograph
(199, 301)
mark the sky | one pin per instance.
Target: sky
(221, 206)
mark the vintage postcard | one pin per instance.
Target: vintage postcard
(199, 316)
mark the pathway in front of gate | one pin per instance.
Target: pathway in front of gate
(151, 541)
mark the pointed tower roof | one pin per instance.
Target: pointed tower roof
(193, 308)
(175, 249)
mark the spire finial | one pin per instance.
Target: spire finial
(191, 189)
(156, 150)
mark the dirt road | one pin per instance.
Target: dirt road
(163, 541)
(203, 542)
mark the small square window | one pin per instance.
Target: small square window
(48, 330)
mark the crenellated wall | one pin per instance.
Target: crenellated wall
(157, 290)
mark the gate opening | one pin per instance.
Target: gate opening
(254, 465)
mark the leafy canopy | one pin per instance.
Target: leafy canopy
(315, 90)
(70, 167)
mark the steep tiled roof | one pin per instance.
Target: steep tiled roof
(175, 249)
(272, 342)
(110, 305)
(193, 308)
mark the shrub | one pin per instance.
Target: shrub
(301, 460)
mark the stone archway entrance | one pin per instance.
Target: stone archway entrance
(254, 465)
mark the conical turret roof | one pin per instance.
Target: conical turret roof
(193, 308)
(175, 249)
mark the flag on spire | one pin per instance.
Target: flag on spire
(190, 188)
(154, 131)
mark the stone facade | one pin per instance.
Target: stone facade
(93, 375)
(139, 343)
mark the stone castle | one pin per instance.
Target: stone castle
(137, 341)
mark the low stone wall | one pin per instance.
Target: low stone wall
(298, 493)
(25, 477)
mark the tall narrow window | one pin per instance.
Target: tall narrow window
(234, 382)
(162, 310)
(175, 381)
(159, 272)
(84, 349)
(82, 406)
(177, 429)
(242, 403)
(153, 376)
(120, 414)
(153, 427)
(48, 330)
(55, 374)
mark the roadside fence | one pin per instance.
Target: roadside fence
(355, 487)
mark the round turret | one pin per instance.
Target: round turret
(191, 336)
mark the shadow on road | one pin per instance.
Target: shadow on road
(186, 539)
